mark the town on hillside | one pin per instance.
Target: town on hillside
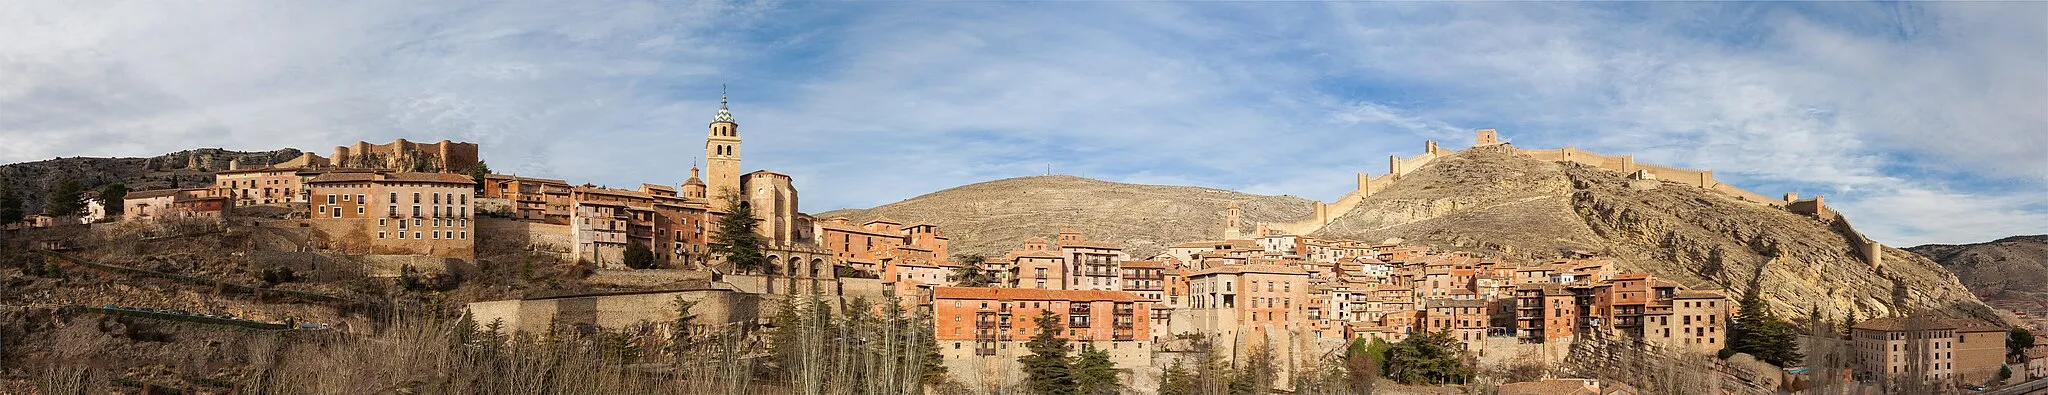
(729, 257)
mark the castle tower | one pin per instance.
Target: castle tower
(722, 157)
(1233, 223)
(1486, 137)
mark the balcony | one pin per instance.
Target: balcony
(1125, 310)
(1124, 334)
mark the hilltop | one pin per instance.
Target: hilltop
(1496, 200)
(2011, 272)
(995, 217)
(1509, 203)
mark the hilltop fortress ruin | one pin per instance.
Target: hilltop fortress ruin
(1869, 250)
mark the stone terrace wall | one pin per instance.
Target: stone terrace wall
(714, 306)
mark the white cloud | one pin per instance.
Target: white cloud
(870, 103)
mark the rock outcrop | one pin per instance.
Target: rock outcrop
(2010, 273)
(1492, 198)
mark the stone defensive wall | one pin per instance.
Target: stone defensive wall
(715, 306)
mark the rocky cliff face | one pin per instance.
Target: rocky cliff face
(1491, 198)
(995, 217)
(2011, 272)
(189, 168)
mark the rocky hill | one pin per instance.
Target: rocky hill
(2011, 272)
(1495, 201)
(995, 217)
(1492, 198)
(187, 168)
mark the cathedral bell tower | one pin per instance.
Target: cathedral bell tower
(722, 157)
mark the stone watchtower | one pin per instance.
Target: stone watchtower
(722, 157)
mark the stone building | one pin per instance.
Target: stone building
(172, 204)
(1545, 313)
(1688, 320)
(529, 199)
(395, 213)
(263, 186)
(1245, 305)
(982, 331)
(1896, 349)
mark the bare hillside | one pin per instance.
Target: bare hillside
(1489, 199)
(1492, 198)
(189, 168)
(2011, 272)
(994, 217)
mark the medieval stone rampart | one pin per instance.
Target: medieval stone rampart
(445, 156)
(1324, 213)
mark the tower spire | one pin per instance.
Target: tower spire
(724, 114)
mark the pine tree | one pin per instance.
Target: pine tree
(1757, 331)
(970, 273)
(1046, 369)
(478, 172)
(1176, 380)
(67, 198)
(1094, 373)
(111, 197)
(737, 242)
(1361, 365)
(1428, 358)
(10, 208)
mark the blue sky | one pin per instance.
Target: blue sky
(1926, 122)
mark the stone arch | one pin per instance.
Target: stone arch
(772, 264)
(817, 264)
(794, 261)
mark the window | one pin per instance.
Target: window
(394, 198)
(330, 199)
(337, 211)
(415, 222)
(416, 235)
(344, 198)
(362, 199)
(465, 235)
(401, 235)
(437, 198)
(361, 209)
(380, 222)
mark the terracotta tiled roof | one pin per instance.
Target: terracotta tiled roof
(1895, 324)
(1273, 269)
(1144, 264)
(1691, 294)
(1030, 294)
(1095, 245)
(156, 193)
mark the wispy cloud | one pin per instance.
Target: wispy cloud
(1922, 120)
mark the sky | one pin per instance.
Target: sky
(1924, 122)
